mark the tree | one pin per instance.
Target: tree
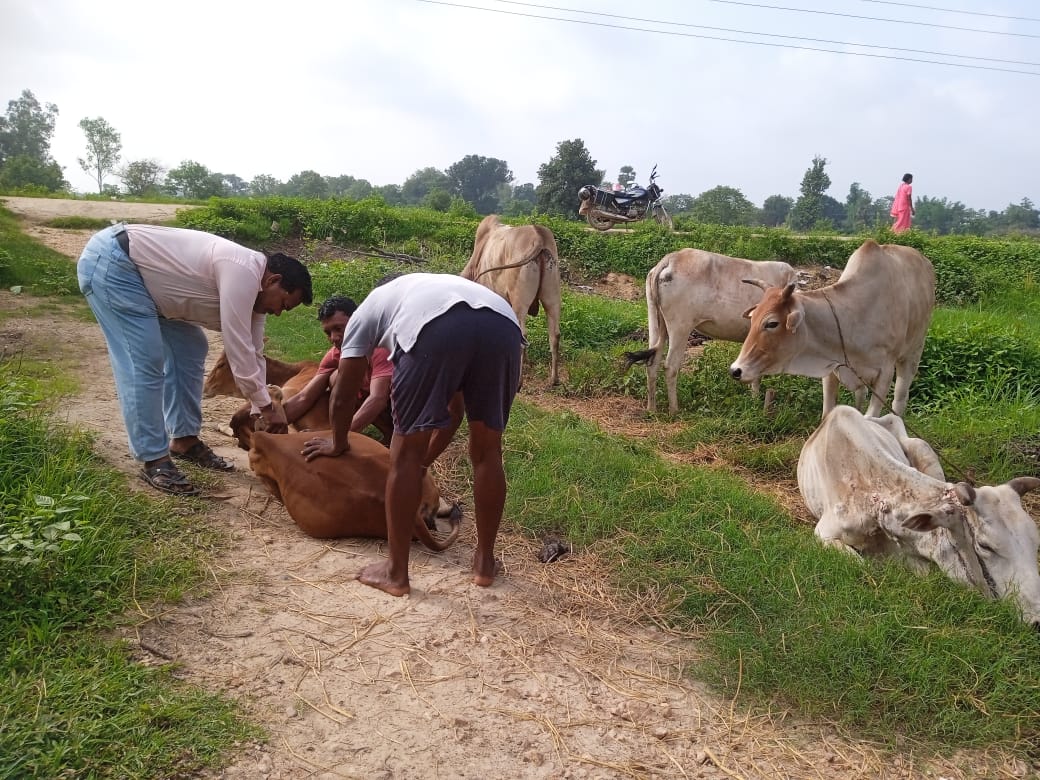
(103, 147)
(1020, 217)
(263, 185)
(860, 212)
(775, 209)
(678, 204)
(521, 202)
(626, 176)
(235, 185)
(23, 170)
(306, 184)
(142, 177)
(25, 145)
(438, 200)
(723, 206)
(560, 179)
(808, 209)
(421, 183)
(477, 179)
(194, 180)
(390, 193)
(26, 130)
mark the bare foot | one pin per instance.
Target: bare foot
(377, 575)
(484, 572)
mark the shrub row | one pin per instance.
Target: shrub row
(966, 266)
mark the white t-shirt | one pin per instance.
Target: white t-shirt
(393, 314)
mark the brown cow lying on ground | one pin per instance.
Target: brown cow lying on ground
(342, 496)
(220, 380)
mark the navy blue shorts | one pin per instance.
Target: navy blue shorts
(476, 351)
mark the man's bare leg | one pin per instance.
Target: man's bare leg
(403, 494)
(489, 497)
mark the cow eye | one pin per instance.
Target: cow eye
(772, 324)
(986, 548)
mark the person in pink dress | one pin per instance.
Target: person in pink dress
(903, 205)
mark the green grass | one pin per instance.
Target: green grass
(79, 223)
(77, 552)
(29, 264)
(788, 622)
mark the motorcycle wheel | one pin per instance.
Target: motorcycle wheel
(598, 222)
(663, 218)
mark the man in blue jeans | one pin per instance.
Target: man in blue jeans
(455, 346)
(153, 289)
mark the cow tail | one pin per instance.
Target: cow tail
(532, 310)
(423, 534)
(655, 324)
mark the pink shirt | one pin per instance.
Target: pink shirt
(207, 280)
(379, 365)
(903, 200)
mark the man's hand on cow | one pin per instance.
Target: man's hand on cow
(274, 419)
(314, 448)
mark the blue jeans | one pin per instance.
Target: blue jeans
(158, 364)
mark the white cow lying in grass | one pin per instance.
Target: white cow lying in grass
(877, 491)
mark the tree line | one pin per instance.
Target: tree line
(485, 185)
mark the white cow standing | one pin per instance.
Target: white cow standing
(863, 329)
(522, 264)
(693, 290)
(876, 491)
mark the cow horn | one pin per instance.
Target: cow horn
(1023, 485)
(756, 282)
(965, 493)
(788, 291)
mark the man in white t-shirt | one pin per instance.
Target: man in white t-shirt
(455, 346)
(153, 289)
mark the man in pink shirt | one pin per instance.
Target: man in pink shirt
(903, 205)
(334, 314)
(153, 289)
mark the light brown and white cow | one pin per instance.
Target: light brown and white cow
(522, 265)
(696, 290)
(341, 496)
(876, 491)
(861, 330)
(220, 380)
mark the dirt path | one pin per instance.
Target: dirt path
(548, 674)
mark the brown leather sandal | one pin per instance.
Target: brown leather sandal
(166, 477)
(203, 457)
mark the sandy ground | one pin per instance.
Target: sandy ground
(547, 674)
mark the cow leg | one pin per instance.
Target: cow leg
(653, 368)
(879, 392)
(552, 323)
(830, 392)
(905, 373)
(828, 531)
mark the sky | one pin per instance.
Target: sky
(713, 92)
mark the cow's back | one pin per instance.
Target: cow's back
(891, 291)
(326, 497)
(707, 290)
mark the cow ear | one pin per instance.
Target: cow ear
(966, 493)
(747, 311)
(794, 319)
(922, 521)
(1023, 485)
(788, 291)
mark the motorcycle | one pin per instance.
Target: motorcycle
(604, 208)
